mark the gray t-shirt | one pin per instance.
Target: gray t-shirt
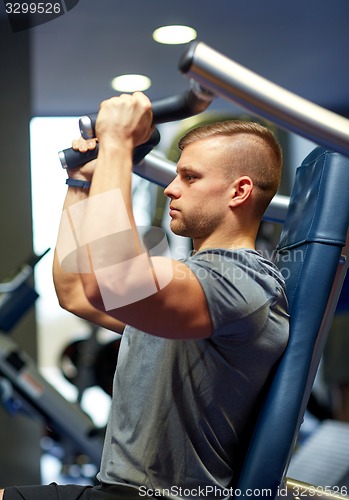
(182, 409)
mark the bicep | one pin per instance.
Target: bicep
(178, 309)
(71, 296)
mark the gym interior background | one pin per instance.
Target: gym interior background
(64, 68)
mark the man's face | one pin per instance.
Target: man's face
(200, 192)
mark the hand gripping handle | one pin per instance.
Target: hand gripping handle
(71, 158)
(177, 107)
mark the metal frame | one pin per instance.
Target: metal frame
(230, 80)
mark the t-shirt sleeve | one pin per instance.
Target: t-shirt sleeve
(233, 292)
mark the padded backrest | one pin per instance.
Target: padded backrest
(308, 255)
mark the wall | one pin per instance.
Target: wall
(19, 435)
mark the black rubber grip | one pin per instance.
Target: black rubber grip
(71, 158)
(165, 110)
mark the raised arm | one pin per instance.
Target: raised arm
(68, 285)
(152, 293)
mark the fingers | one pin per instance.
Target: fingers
(123, 118)
(136, 97)
(128, 114)
(82, 145)
(143, 99)
(125, 106)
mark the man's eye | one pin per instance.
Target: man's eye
(190, 177)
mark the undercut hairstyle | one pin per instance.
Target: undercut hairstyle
(253, 151)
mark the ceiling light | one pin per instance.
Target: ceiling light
(174, 34)
(131, 83)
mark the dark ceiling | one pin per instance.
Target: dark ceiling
(301, 45)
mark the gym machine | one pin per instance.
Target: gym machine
(309, 227)
(22, 388)
(213, 75)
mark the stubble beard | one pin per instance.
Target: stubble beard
(198, 228)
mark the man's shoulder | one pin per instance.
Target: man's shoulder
(242, 269)
(247, 258)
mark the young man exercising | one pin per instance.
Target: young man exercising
(202, 334)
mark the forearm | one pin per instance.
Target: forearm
(104, 223)
(113, 173)
(68, 285)
(109, 228)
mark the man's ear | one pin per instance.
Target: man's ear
(241, 190)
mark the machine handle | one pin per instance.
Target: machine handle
(177, 107)
(71, 158)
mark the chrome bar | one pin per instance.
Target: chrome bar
(157, 169)
(277, 209)
(297, 490)
(224, 77)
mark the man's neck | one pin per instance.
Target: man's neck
(246, 241)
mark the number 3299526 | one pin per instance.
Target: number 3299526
(33, 8)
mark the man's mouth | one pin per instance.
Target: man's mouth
(173, 210)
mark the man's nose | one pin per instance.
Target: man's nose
(173, 189)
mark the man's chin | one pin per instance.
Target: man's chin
(178, 229)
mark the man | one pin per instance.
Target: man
(203, 334)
